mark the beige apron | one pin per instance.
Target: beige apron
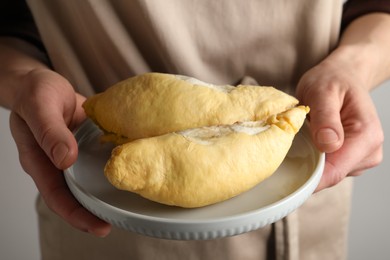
(95, 43)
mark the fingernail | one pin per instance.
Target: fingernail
(59, 153)
(97, 233)
(327, 136)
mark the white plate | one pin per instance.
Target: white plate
(271, 200)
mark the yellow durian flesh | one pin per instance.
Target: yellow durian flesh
(177, 169)
(154, 104)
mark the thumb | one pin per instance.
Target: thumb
(325, 123)
(58, 143)
(54, 137)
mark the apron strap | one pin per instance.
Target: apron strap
(286, 237)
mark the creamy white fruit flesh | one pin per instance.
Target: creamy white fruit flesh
(194, 81)
(206, 135)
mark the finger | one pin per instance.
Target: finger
(349, 160)
(369, 162)
(325, 122)
(51, 183)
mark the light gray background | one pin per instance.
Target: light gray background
(369, 228)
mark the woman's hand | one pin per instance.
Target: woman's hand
(44, 113)
(343, 120)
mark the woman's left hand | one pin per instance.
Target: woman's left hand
(343, 120)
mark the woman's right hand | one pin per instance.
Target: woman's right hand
(45, 110)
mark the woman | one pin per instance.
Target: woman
(328, 53)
